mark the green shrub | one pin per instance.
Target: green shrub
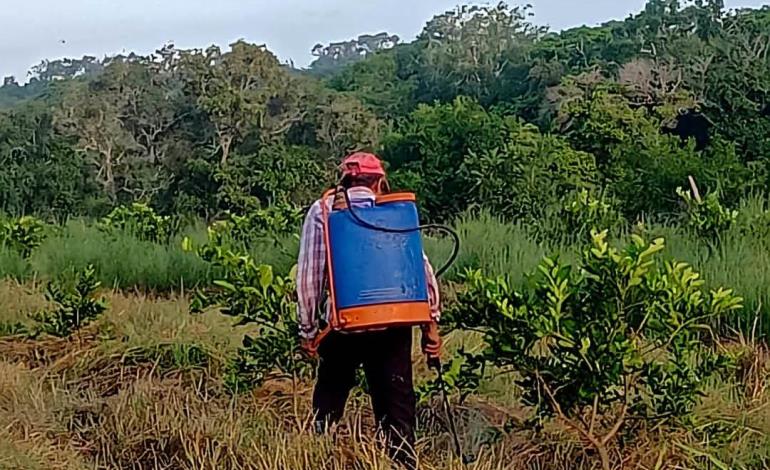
(251, 293)
(75, 303)
(23, 235)
(707, 217)
(620, 335)
(259, 225)
(141, 221)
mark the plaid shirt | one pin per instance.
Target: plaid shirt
(311, 267)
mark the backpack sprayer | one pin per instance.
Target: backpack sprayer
(376, 253)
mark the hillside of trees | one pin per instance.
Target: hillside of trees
(483, 109)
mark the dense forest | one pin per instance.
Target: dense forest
(483, 109)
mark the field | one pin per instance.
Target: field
(142, 386)
(609, 307)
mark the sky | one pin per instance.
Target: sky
(33, 30)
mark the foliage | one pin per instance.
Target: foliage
(707, 217)
(463, 374)
(75, 303)
(141, 221)
(572, 220)
(585, 211)
(620, 335)
(477, 51)
(23, 235)
(253, 294)
(435, 142)
(527, 173)
(239, 231)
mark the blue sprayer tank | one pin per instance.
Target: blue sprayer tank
(377, 277)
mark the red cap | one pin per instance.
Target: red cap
(362, 164)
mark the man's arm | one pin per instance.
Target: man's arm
(310, 272)
(434, 297)
(431, 339)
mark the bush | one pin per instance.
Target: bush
(23, 235)
(252, 293)
(75, 303)
(620, 335)
(707, 218)
(526, 174)
(572, 221)
(139, 220)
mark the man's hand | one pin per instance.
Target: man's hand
(431, 341)
(309, 347)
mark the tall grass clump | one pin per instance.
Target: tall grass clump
(121, 260)
(739, 260)
(13, 265)
(489, 242)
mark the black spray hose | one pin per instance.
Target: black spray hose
(442, 228)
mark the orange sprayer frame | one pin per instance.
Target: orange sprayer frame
(335, 323)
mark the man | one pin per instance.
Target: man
(385, 354)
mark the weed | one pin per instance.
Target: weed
(75, 303)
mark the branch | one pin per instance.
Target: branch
(571, 423)
(593, 414)
(621, 419)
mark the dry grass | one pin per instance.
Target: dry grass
(141, 389)
(18, 302)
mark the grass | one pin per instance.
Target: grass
(489, 243)
(740, 260)
(121, 260)
(142, 388)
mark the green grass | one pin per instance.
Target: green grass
(13, 265)
(490, 244)
(739, 261)
(121, 260)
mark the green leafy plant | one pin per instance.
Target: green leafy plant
(573, 219)
(585, 210)
(141, 221)
(463, 374)
(75, 303)
(270, 223)
(23, 235)
(253, 294)
(707, 217)
(620, 335)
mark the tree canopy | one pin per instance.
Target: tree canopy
(484, 108)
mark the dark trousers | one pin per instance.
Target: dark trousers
(386, 357)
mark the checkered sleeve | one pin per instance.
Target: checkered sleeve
(311, 267)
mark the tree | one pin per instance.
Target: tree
(381, 82)
(339, 54)
(242, 91)
(91, 112)
(478, 51)
(620, 338)
(41, 172)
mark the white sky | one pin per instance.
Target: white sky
(32, 30)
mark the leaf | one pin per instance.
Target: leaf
(187, 245)
(265, 276)
(225, 285)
